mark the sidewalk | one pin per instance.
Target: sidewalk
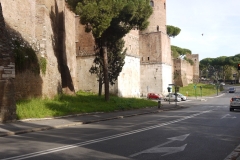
(35, 125)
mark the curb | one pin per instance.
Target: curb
(81, 123)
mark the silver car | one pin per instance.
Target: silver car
(172, 98)
(234, 103)
(183, 98)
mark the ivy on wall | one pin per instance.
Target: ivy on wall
(26, 58)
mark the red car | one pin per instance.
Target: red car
(154, 96)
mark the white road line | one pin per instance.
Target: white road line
(35, 154)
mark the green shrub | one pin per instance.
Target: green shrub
(43, 64)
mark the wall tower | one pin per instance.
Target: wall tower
(158, 18)
(155, 52)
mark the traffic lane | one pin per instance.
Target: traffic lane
(212, 134)
(63, 149)
(221, 99)
(34, 142)
(210, 137)
(201, 141)
(112, 123)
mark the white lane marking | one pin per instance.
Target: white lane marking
(228, 116)
(168, 150)
(57, 149)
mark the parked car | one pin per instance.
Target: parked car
(154, 96)
(231, 90)
(172, 98)
(234, 103)
(222, 83)
(183, 98)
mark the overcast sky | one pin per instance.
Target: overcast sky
(217, 20)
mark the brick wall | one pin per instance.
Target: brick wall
(7, 73)
(40, 24)
(69, 50)
(195, 59)
(158, 18)
(183, 71)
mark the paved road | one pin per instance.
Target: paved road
(199, 130)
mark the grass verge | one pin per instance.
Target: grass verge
(207, 90)
(82, 102)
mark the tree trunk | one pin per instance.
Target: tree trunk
(105, 72)
(100, 87)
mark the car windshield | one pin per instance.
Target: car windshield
(231, 88)
(235, 99)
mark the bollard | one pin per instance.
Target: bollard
(159, 104)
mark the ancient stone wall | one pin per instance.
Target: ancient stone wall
(57, 36)
(7, 74)
(132, 43)
(69, 54)
(155, 52)
(40, 24)
(128, 83)
(85, 55)
(129, 79)
(150, 47)
(155, 47)
(85, 80)
(183, 72)
(158, 18)
(155, 78)
(195, 59)
(166, 49)
(156, 63)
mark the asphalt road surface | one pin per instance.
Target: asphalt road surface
(204, 130)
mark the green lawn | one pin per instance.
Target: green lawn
(81, 103)
(84, 102)
(207, 90)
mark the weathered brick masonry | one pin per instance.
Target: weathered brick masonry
(69, 53)
(184, 72)
(7, 73)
